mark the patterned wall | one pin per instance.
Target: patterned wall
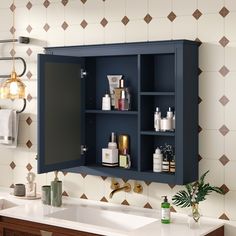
(75, 22)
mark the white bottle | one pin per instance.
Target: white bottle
(106, 102)
(169, 114)
(157, 160)
(157, 119)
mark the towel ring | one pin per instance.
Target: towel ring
(10, 59)
(23, 108)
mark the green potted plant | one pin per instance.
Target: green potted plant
(195, 192)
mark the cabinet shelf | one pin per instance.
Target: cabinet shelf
(112, 112)
(157, 93)
(158, 133)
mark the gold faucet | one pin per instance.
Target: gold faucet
(126, 188)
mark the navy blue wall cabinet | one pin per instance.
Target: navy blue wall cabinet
(163, 74)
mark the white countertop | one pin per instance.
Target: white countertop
(34, 210)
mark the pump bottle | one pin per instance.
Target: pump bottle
(165, 211)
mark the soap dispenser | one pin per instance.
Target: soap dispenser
(165, 211)
(56, 191)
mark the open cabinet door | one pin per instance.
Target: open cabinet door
(60, 113)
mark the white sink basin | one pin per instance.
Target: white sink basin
(4, 204)
(103, 218)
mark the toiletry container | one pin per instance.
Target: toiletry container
(118, 91)
(123, 104)
(157, 160)
(166, 124)
(165, 211)
(106, 102)
(123, 143)
(46, 194)
(110, 154)
(165, 163)
(157, 119)
(169, 117)
(56, 191)
(124, 160)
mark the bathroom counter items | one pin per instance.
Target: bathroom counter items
(97, 218)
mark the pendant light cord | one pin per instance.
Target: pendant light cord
(13, 36)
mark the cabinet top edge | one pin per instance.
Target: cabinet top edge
(179, 41)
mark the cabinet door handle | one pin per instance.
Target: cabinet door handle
(45, 233)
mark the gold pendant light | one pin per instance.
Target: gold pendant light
(13, 88)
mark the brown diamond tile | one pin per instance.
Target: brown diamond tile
(224, 71)
(148, 183)
(12, 7)
(223, 41)
(46, 27)
(83, 175)
(12, 30)
(171, 186)
(199, 71)
(104, 22)
(64, 173)
(197, 14)
(83, 1)
(224, 100)
(147, 18)
(172, 209)
(224, 188)
(104, 177)
(223, 130)
(147, 205)
(29, 28)
(13, 165)
(12, 186)
(46, 3)
(29, 5)
(29, 167)
(224, 217)
(199, 157)
(65, 194)
(125, 203)
(29, 144)
(125, 20)
(199, 100)
(84, 24)
(64, 25)
(64, 2)
(29, 97)
(29, 51)
(171, 16)
(103, 199)
(29, 121)
(29, 74)
(224, 160)
(83, 196)
(199, 128)
(224, 12)
(13, 52)
(198, 40)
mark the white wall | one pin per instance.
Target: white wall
(217, 113)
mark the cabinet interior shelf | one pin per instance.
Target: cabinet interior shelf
(112, 112)
(158, 133)
(157, 93)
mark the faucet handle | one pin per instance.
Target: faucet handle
(138, 188)
(114, 184)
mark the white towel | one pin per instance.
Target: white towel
(9, 121)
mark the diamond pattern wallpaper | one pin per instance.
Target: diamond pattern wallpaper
(83, 22)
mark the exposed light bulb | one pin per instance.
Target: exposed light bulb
(13, 88)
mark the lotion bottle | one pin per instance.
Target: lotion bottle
(157, 119)
(157, 160)
(165, 211)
